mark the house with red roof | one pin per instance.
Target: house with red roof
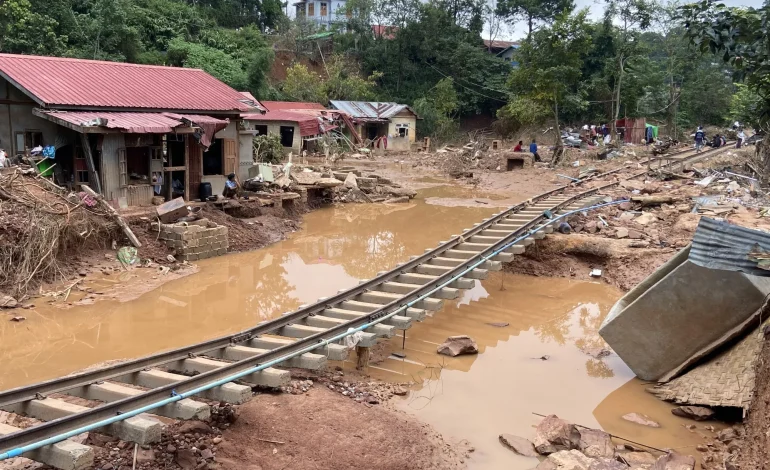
(129, 131)
(299, 124)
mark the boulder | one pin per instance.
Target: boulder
(698, 413)
(646, 218)
(644, 420)
(186, 459)
(398, 192)
(621, 232)
(727, 435)
(457, 345)
(519, 445)
(627, 216)
(554, 434)
(566, 460)
(634, 234)
(195, 426)
(638, 460)
(351, 181)
(596, 443)
(674, 461)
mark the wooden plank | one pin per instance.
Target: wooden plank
(90, 162)
(111, 210)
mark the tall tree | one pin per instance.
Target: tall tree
(548, 78)
(533, 12)
(632, 17)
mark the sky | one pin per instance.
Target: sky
(596, 11)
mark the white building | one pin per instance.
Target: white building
(325, 13)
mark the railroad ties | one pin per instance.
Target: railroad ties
(55, 407)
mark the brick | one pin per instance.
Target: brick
(222, 251)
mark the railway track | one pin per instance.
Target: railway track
(168, 383)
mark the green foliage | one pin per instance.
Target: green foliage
(746, 106)
(214, 61)
(533, 12)
(437, 111)
(343, 82)
(24, 31)
(550, 72)
(268, 148)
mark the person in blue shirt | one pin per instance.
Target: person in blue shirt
(700, 139)
(533, 150)
(231, 187)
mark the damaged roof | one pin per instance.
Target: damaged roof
(291, 105)
(78, 83)
(135, 123)
(371, 110)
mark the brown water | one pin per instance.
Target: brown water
(473, 398)
(479, 397)
(335, 248)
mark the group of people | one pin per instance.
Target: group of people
(598, 134)
(532, 149)
(718, 140)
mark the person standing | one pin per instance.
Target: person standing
(533, 150)
(741, 138)
(700, 138)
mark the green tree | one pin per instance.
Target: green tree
(343, 81)
(303, 85)
(437, 110)
(746, 106)
(25, 31)
(534, 12)
(214, 61)
(549, 74)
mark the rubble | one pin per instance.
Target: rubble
(458, 345)
(554, 434)
(641, 419)
(697, 413)
(519, 445)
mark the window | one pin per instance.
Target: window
(324, 11)
(311, 9)
(82, 176)
(212, 159)
(260, 130)
(28, 139)
(402, 130)
(287, 136)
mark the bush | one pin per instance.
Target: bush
(268, 149)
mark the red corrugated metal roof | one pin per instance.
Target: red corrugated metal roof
(308, 124)
(139, 123)
(56, 81)
(290, 105)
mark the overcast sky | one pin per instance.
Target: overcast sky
(596, 11)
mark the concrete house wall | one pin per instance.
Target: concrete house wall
(402, 143)
(16, 116)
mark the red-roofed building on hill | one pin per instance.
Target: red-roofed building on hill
(128, 131)
(298, 124)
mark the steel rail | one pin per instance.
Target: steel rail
(94, 415)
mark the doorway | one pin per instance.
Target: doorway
(287, 136)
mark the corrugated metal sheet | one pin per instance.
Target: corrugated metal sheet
(137, 195)
(77, 82)
(136, 123)
(110, 172)
(721, 245)
(370, 110)
(291, 105)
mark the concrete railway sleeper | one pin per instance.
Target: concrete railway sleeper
(296, 339)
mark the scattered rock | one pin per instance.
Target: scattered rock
(567, 460)
(518, 444)
(634, 234)
(621, 232)
(195, 426)
(626, 216)
(397, 200)
(170, 449)
(638, 459)
(186, 459)
(644, 420)
(329, 182)
(18, 318)
(698, 413)
(498, 324)
(206, 454)
(216, 440)
(554, 434)
(597, 353)
(6, 301)
(457, 345)
(350, 181)
(646, 218)
(596, 443)
(625, 206)
(145, 455)
(727, 435)
(607, 464)
(400, 391)
(674, 461)
(82, 273)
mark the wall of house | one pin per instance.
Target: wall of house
(402, 143)
(110, 168)
(218, 181)
(274, 128)
(335, 11)
(245, 153)
(18, 117)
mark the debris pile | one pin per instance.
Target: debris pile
(40, 225)
(567, 446)
(348, 184)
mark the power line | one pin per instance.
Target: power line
(467, 88)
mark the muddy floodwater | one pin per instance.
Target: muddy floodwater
(531, 331)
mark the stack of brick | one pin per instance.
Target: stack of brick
(195, 240)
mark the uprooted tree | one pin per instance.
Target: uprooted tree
(740, 37)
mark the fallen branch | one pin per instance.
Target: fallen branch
(652, 200)
(114, 214)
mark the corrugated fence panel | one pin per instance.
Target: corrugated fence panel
(721, 245)
(110, 169)
(140, 195)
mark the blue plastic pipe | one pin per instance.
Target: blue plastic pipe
(177, 396)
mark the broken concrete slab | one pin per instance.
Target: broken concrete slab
(639, 418)
(653, 341)
(170, 211)
(519, 445)
(567, 460)
(638, 460)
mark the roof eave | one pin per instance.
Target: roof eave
(13, 82)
